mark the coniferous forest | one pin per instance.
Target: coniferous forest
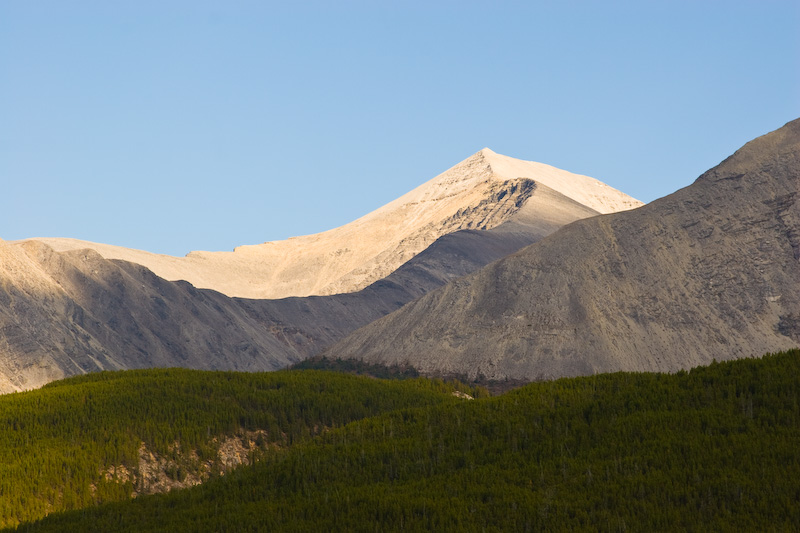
(58, 442)
(711, 449)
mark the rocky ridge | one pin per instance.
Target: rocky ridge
(708, 272)
(74, 311)
(481, 192)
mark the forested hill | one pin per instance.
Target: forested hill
(107, 436)
(712, 449)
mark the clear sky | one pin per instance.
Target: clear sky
(172, 126)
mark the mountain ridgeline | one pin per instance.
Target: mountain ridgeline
(481, 192)
(711, 269)
(642, 330)
(69, 307)
(497, 269)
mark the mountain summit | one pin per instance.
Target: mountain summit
(70, 307)
(482, 192)
(711, 271)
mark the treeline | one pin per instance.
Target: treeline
(56, 443)
(479, 388)
(355, 366)
(713, 449)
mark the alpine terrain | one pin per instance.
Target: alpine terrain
(70, 307)
(481, 192)
(711, 271)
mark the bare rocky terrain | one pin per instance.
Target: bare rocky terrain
(481, 192)
(711, 271)
(69, 310)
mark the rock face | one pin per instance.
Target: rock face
(711, 271)
(481, 192)
(156, 474)
(73, 311)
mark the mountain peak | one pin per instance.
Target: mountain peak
(480, 192)
(779, 144)
(708, 272)
(588, 191)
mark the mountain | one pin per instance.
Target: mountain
(481, 192)
(711, 269)
(73, 312)
(69, 311)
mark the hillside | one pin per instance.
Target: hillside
(110, 436)
(711, 269)
(713, 449)
(481, 192)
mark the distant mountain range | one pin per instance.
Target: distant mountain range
(497, 268)
(711, 271)
(69, 307)
(481, 192)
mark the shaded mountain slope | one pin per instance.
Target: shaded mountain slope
(77, 312)
(309, 325)
(713, 268)
(481, 192)
(66, 313)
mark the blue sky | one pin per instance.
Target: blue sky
(174, 126)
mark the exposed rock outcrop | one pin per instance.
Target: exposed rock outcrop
(155, 473)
